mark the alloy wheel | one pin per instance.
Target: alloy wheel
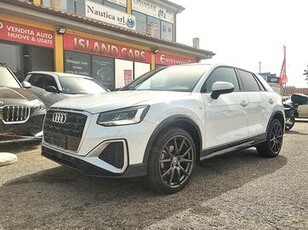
(276, 138)
(176, 161)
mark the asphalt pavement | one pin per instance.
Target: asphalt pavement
(237, 191)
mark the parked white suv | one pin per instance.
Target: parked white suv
(163, 122)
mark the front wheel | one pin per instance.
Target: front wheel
(171, 161)
(272, 146)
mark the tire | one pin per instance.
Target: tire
(290, 123)
(171, 161)
(272, 146)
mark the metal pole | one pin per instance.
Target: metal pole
(259, 67)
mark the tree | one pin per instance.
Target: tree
(306, 74)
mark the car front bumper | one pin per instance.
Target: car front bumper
(116, 151)
(85, 167)
(30, 130)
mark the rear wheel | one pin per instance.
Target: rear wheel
(272, 146)
(171, 161)
(290, 123)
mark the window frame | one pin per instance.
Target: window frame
(240, 86)
(253, 77)
(45, 78)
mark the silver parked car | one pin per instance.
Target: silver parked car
(21, 112)
(52, 87)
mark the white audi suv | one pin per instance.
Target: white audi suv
(164, 122)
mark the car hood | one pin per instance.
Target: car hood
(118, 99)
(8, 95)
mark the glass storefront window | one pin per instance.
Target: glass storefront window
(77, 63)
(140, 68)
(41, 59)
(46, 3)
(103, 71)
(141, 22)
(166, 30)
(123, 73)
(12, 58)
(156, 24)
(98, 1)
(78, 6)
(115, 6)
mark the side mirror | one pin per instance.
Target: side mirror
(26, 84)
(52, 89)
(221, 87)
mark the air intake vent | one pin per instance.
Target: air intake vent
(113, 154)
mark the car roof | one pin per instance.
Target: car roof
(60, 74)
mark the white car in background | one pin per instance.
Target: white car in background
(302, 111)
(163, 122)
(52, 87)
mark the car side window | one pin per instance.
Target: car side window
(37, 80)
(42, 81)
(226, 74)
(250, 84)
(50, 81)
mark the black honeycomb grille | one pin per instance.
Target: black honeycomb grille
(66, 135)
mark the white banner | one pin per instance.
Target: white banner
(109, 15)
(154, 10)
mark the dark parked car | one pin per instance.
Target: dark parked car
(52, 87)
(21, 112)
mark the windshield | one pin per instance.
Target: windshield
(7, 79)
(78, 85)
(173, 78)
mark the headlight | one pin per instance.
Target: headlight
(39, 106)
(125, 116)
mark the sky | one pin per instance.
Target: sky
(245, 33)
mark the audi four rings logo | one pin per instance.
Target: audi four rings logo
(59, 118)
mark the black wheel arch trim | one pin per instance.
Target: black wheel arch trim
(279, 113)
(167, 123)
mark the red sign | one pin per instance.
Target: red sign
(283, 79)
(128, 76)
(98, 47)
(26, 34)
(164, 59)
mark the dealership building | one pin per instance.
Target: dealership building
(113, 41)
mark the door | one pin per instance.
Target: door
(226, 117)
(260, 103)
(39, 84)
(303, 111)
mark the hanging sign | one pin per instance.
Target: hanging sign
(166, 59)
(14, 32)
(103, 48)
(109, 15)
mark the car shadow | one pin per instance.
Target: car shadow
(18, 147)
(61, 195)
(296, 132)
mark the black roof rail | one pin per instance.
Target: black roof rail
(2, 64)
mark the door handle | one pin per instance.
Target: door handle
(271, 101)
(244, 103)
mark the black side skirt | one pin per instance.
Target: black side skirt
(244, 144)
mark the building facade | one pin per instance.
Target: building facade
(114, 41)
